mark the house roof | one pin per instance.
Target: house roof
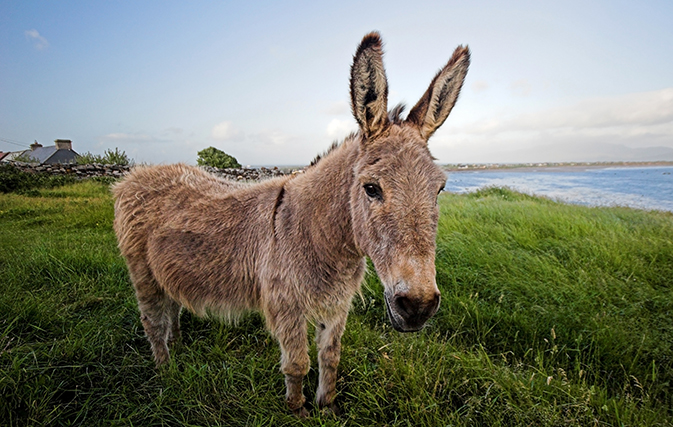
(48, 155)
(41, 154)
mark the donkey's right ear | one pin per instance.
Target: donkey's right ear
(369, 87)
(436, 104)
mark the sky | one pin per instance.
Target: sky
(267, 82)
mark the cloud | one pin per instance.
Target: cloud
(480, 86)
(338, 109)
(338, 128)
(521, 87)
(39, 42)
(589, 129)
(226, 131)
(174, 131)
(629, 114)
(130, 137)
(637, 109)
(274, 137)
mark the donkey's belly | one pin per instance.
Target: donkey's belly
(202, 273)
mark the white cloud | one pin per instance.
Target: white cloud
(176, 131)
(226, 131)
(480, 86)
(631, 114)
(521, 87)
(131, 137)
(338, 129)
(338, 109)
(274, 137)
(590, 129)
(39, 42)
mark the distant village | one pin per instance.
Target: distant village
(61, 159)
(59, 153)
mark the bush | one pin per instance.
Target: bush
(211, 156)
(14, 179)
(110, 157)
(25, 158)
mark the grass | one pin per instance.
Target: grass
(551, 314)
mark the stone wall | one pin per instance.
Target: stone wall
(248, 174)
(117, 171)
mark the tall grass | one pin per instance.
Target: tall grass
(551, 314)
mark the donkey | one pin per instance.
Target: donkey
(294, 247)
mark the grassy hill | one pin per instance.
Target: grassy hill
(551, 314)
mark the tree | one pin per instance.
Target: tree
(211, 156)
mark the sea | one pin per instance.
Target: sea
(649, 188)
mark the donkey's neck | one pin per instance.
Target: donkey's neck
(319, 203)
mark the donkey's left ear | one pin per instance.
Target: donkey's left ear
(436, 104)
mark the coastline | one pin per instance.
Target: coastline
(547, 167)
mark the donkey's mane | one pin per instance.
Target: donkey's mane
(326, 153)
(395, 114)
(395, 117)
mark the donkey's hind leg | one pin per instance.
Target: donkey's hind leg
(173, 310)
(157, 310)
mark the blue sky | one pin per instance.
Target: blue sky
(268, 81)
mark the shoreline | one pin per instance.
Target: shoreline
(548, 167)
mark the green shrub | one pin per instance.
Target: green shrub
(25, 158)
(211, 156)
(12, 179)
(116, 157)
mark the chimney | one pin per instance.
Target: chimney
(63, 144)
(35, 145)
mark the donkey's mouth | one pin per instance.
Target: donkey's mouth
(398, 322)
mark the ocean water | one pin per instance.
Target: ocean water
(636, 187)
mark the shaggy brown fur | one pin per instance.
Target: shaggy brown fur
(294, 247)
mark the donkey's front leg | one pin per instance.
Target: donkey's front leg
(328, 338)
(295, 361)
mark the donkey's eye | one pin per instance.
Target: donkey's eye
(441, 188)
(373, 191)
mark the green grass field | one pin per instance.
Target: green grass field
(551, 314)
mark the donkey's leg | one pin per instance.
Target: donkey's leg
(173, 310)
(328, 337)
(289, 327)
(154, 306)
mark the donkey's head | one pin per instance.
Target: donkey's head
(394, 195)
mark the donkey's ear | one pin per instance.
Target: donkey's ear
(369, 87)
(436, 104)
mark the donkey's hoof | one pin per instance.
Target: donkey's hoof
(162, 360)
(331, 409)
(302, 412)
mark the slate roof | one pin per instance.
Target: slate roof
(46, 155)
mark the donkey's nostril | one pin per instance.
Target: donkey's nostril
(415, 309)
(405, 307)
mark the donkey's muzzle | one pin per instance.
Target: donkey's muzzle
(409, 314)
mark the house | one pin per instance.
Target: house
(61, 152)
